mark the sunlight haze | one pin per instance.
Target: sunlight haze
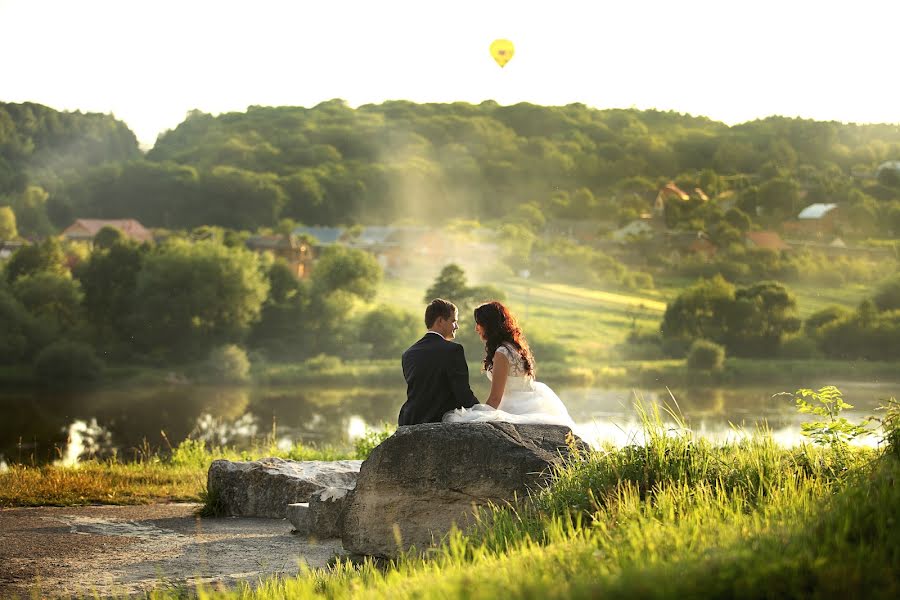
(151, 62)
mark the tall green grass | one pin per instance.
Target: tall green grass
(673, 517)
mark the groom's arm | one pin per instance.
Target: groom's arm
(459, 379)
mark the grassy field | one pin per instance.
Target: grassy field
(179, 475)
(590, 322)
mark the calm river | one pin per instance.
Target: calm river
(44, 426)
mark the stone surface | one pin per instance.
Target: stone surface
(326, 512)
(298, 515)
(425, 478)
(128, 551)
(264, 488)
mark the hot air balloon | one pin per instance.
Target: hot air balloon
(502, 51)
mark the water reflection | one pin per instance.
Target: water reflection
(85, 440)
(47, 426)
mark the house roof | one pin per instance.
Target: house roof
(269, 241)
(88, 228)
(671, 188)
(893, 165)
(767, 239)
(326, 236)
(816, 211)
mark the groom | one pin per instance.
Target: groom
(437, 378)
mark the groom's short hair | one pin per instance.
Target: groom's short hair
(438, 308)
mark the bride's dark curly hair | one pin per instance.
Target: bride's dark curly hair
(500, 326)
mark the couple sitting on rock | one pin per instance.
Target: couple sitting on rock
(437, 376)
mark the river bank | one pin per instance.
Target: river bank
(334, 372)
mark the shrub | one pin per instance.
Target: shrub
(389, 331)
(800, 346)
(823, 317)
(229, 363)
(706, 355)
(638, 280)
(888, 295)
(65, 362)
(372, 438)
(323, 362)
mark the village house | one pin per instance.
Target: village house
(816, 220)
(322, 237)
(395, 247)
(639, 228)
(296, 252)
(766, 239)
(8, 248)
(85, 230)
(686, 243)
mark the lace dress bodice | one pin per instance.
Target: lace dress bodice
(524, 399)
(518, 379)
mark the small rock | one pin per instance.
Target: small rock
(298, 515)
(264, 488)
(326, 511)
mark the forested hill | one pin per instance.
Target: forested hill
(424, 162)
(38, 143)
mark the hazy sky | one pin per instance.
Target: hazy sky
(149, 62)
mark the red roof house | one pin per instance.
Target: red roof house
(766, 239)
(84, 230)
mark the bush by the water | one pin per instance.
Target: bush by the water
(705, 355)
(67, 362)
(229, 363)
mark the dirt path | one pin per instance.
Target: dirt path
(119, 550)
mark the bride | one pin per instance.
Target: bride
(515, 396)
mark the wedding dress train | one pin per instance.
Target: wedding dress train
(524, 400)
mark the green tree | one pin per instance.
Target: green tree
(449, 285)
(389, 330)
(748, 321)
(192, 297)
(887, 297)
(53, 298)
(348, 270)
(107, 237)
(287, 322)
(109, 280)
(698, 312)
(31, 212)
(21, 333)
(738, 219)
(28, 260)
(8, 229)
(761, 316)
(779, 197)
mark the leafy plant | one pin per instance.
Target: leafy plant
(371, 439)
(890, 425)
(827, 402)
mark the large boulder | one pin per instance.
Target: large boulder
(426, 478)
(264, 488)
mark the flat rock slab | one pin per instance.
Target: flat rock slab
(264, 488)
(124, 550)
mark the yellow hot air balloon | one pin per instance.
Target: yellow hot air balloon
(502, 51)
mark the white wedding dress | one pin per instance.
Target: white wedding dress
(524, 400)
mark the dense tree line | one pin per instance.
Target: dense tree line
(331, 164)
(180, 300)
(761, 321)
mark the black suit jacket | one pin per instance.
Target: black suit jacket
(437, 380)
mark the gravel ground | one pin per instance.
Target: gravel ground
(124, 550)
